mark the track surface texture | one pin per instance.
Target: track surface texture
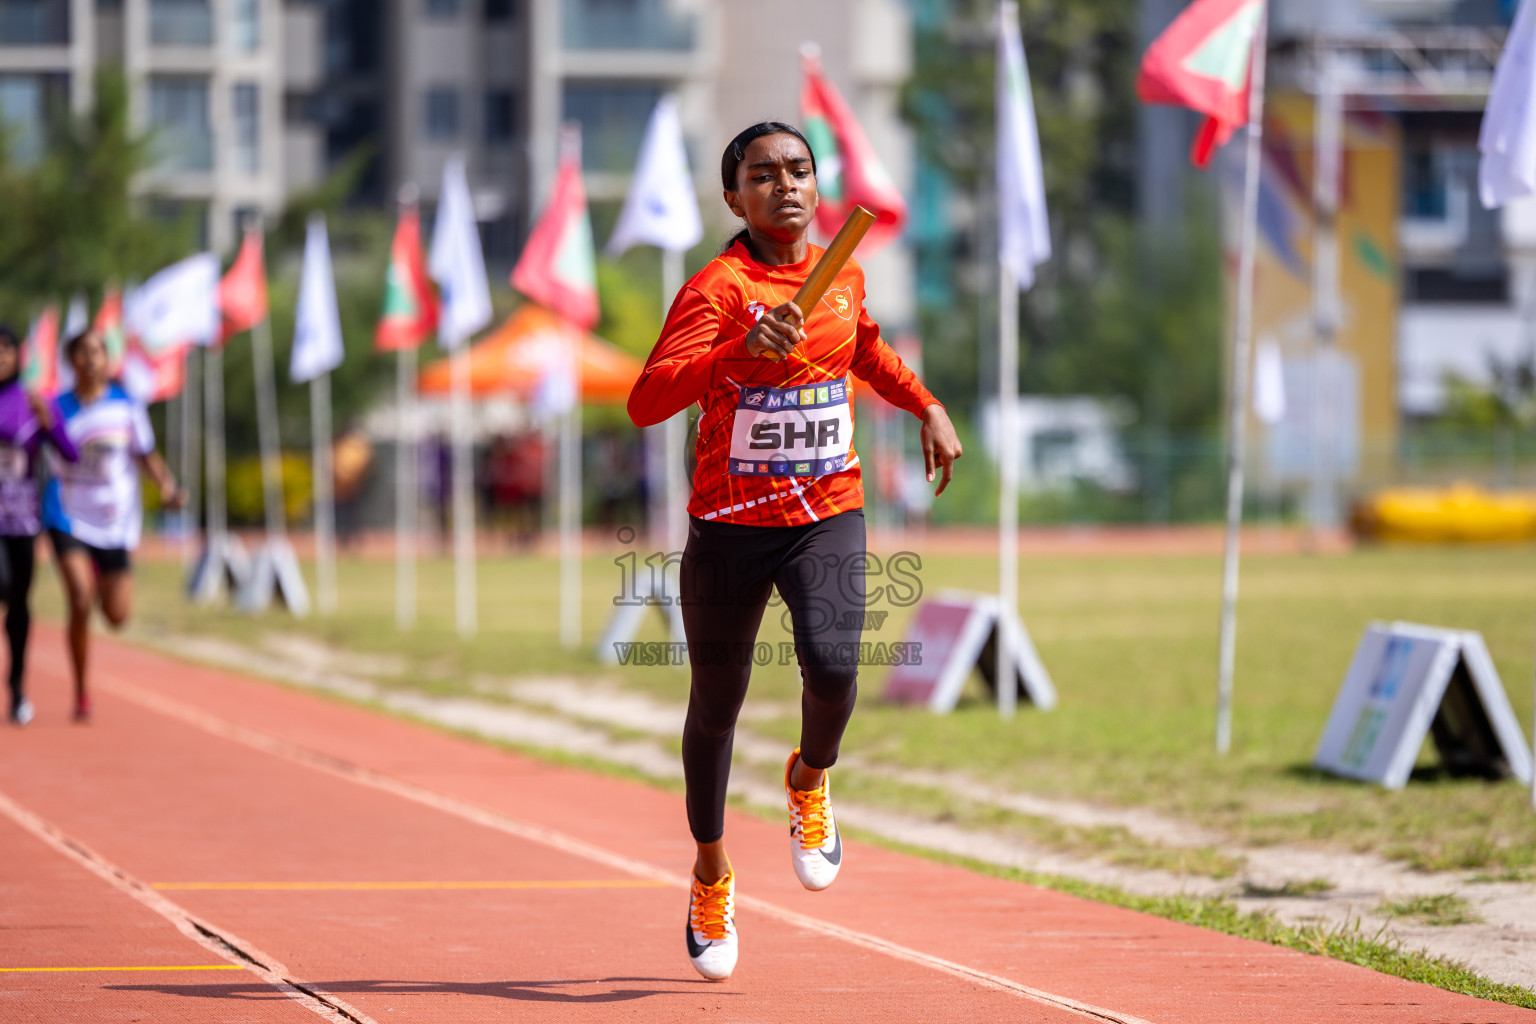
(215, 848)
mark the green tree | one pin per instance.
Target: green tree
(1092, 323)
(71, 221)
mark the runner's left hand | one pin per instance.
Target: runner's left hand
(175, 499)
(941, 445)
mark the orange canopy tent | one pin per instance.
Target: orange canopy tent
(515, 358)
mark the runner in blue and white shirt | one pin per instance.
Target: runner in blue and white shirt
(92, 508)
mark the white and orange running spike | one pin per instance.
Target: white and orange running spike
(815, 847)
(711, 931)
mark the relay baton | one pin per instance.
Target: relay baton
(833, 259)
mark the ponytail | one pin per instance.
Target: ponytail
(740, 236)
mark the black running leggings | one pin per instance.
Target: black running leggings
(19, 557)
(727, 574)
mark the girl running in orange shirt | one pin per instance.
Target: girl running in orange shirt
(777, 501)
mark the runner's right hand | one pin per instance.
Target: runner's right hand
(777, 333)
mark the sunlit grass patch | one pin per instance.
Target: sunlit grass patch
(1440, 909)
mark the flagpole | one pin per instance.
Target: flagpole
(405, 489)
(325, 504)
(266, 431)
(675, 430)
(1328, 137)
(190, 455)
(463, 493)
(217, 544)
(570, 510)
(1008, 484)
(664, 441)
(1242, 343)
(407, 494)
(176, 453)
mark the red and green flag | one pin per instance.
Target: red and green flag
(109, 324)
(848, 172)
(40, 354)
(152, 377)
(243, 291)
(558, 267)
(1204, 61)
(410, 302)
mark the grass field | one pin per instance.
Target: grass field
(1131, 643)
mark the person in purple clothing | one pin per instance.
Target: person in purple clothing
(26, 420)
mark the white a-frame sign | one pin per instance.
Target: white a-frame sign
(1407, 682)
(955, 633)
(629, 611)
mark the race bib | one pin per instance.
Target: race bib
(99, 461)
(799, 431)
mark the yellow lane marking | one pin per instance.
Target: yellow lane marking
(609, 883)
(72, 970)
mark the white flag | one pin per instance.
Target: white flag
(317, 343)
(76, 320)
(1023, 232)
(456, 262)
(79, 316)
(662, 208)
(1507, 140)
(1269, 384)
(178, 306)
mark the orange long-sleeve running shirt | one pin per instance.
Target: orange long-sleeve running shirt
(775, 445)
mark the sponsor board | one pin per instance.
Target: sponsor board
(957, 633)
(1407, 683)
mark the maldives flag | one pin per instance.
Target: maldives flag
(558, 267)
(848, 173)
(157, 377)
(410, 303)
(109, 324)
(1203, 61)
(40, 354)
(243, 292)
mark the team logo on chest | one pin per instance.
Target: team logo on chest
(840, 301)
(756, 310)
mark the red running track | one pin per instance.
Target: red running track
(215, 848)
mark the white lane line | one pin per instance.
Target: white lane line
(216, 940)
(329, 764)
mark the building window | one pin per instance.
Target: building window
(442, 8)
(182, 215)
(245, 25)
(499, 10)
(500, 117)
(179, 123)
(244, 216)
(613, 115)
(34, 22)
(245, 109)
(21, 110)
(442, 114)
(625, 25)
(180, 23)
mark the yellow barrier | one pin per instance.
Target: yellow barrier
(1459, 513)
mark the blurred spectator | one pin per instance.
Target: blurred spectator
(515, 484)
(351, 459)
(617, 466)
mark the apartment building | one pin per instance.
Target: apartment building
(493, 79)
(211, 81)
